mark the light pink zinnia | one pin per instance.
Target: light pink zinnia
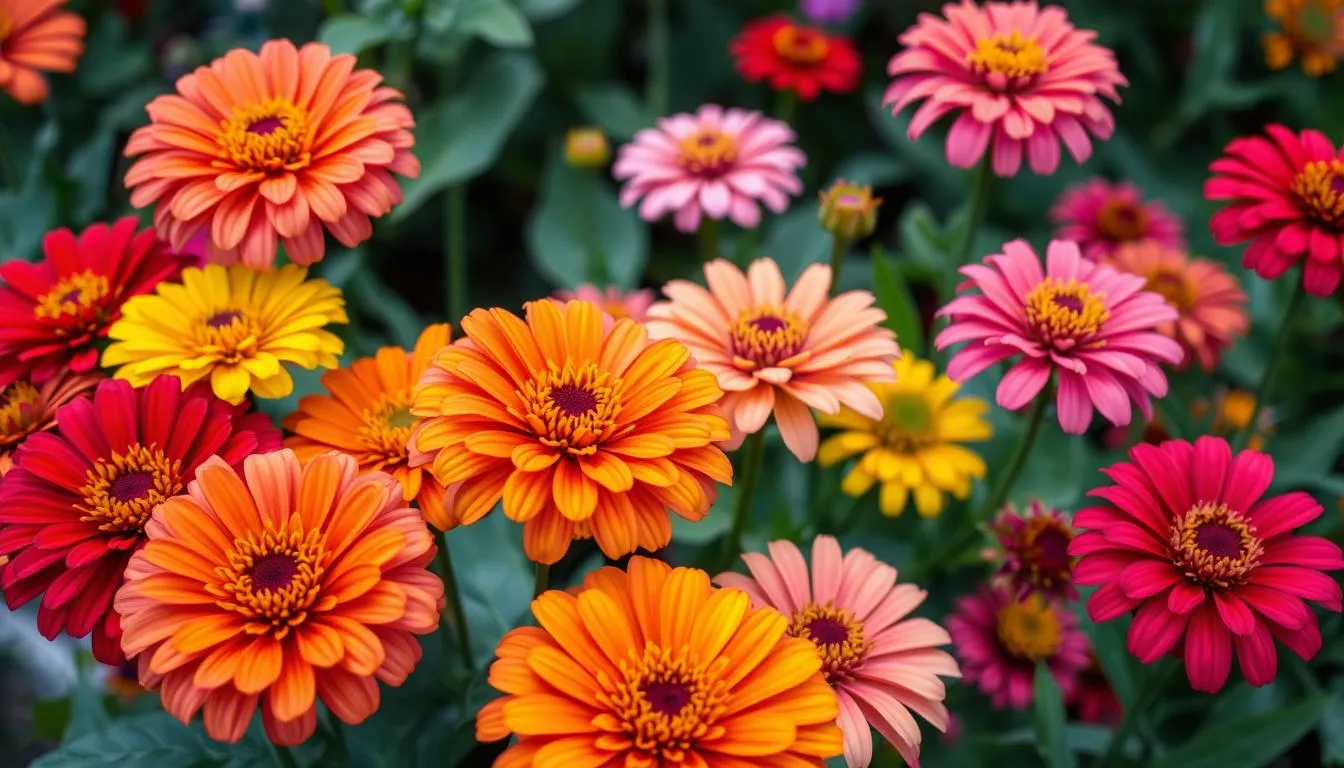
(881, 664)
(1101, 217)
(1093, 326)
(613, 300)
(1021, 77)
(717, 163)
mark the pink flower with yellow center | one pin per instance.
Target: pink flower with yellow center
(615, 302)
(1101, 216)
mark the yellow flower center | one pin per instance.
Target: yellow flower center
(1011, 56)
(765, 336)
(1065, 314)
(78, 295)
(268, 137)
(20, 409)
(907, 423)
(272, 579)
(229, 335)
(800, 45)
(1319, 187)
(708, 153)
(1215, 546)
(664, 702)
(838, 635)
(120, 492)
(1174, 285)
(573, 409)
(1029, 629)
(1122, 221)
(387, 425)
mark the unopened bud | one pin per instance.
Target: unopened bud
(587, 148)
(849, 211)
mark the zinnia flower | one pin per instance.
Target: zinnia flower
(882, 664)
(231, 326)
(1232, 411)
(828, 11)
(279, 587)
(36, 36)
(54, 311)
(26, 408)
(1101, 216)
(1310, 29)
(915, 448)
(1036, 551)
(1092, 326)
(653, 666)
(366, 413)
(717, 163)
(616, 303)
(1186, 541)
(777, 352)
(1021, 79)
(278, 147)
(74, 508)
(999, 640)
(583, 428)
(1286, 196)
(1208, 299)
(793, 57)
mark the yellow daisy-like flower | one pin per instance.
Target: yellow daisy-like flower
(914, 448)
(231, 324)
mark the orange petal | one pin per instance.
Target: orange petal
(526, 495)
(293, 692)
(575, 495)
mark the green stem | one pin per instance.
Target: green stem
(457, 252)
(658, 86)
(786, 105)
(13, 178)
(979, 203)
(286, 757)
(592, 242)
(709, 239)
(1276, 356)
(1019, 458)
(1150, 686)
(401, 54)
(542, 581)
(751, 470)
(839, 247)
(454, 598)
(333, 7)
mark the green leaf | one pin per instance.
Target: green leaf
(497, 22)
(1255, 740)
(87, 713)
(795, 240)
(1108, 642)
(712, 526)
(463, 135)
(111, 62)
(545, 10)
(1332, 726)
(876, 168)
(353, 34)
(495, 579)
(1311, 451)
(1051, 742)
(894, 298)
(90, 167)
(402, 322)
(157, 740)
(615, 108)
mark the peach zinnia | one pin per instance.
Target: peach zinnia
(585, 429)
(36, 36)
(777, 352)
(279, 587)
(280, 146)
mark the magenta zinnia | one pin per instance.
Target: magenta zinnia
(1102, 216)
(1035, 546)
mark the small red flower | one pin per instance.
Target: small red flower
(793, 57)
(73, 509)
(54, 311)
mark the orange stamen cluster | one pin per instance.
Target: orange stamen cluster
(387, 425)
(572, 409)
(663, 704)
(267, 137)
(708, 153)
(231, 334)
(838, 636)
(1320, 188)
(766, 336)
(1065, 314)
(77, 295)
(1122, 221)
(120, 492)
(1029, 628)
(1172, 284)
(1215, 546)
(20, 408)
(1012, 56)
(800, 45)
(272, 579)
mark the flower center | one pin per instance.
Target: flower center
(1316, 21)
(20, 409)
(272, 579)
(1040, 544)
(79, 295)
(269, 137)
(1029, 629)
(274, 572)
(1121, 221)
(1215, 546)
(1008, 57)
(1065, 314)
(573, 408)
(120, 492)
(708, 153)
(765, 336)
(1234, 411)
(224, 318)
(1319, 187)
(1173, 285)
(838, 635)
(907, 424)
(387, 427)
(800, 45)
(228, 335)
(664, 702)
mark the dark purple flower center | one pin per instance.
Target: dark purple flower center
(827, 631)
(1218, 540)
(132, 486)
(223, 319)
(1053, 545)
(266, 126)
(768, 324)
(273, 572)
(573, 401)
(668, 698)
(1071, 303)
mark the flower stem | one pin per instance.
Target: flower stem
(979, 203)
(839, 247)
(592, 241)
(1019, 458)
(13, 177)
(454, 598)
(286, 757)
(709, 239)
(751, 470)
(332, 7)
(542, 581)
(457, 252)
(658, 85)
(1276, 356)
(1150, 686)
(786, 105)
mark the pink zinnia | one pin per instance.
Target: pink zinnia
(1101, 216)
(614, 301)
(881, 664)
(717, 163)
(1091, 325)
(999, 640)
(1021, 78)
(1185, 540)
(1285, 196)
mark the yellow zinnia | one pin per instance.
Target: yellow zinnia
(230, 324)
(915, 447)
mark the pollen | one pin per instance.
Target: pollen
(1065, 314)
(121, 491)
(273, 579)
(20, 408)
(1319, 187)
(80, 295)
(1029, 629)
(767, 336)
(800, 45)
(267, 137)
(838, 635)
(1011, 56)
(1215, 546)
(708, 153)
(573, 408)
(663, 703)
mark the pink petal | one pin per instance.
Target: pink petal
(1208, 650)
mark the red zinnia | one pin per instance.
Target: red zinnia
(797, 58)
(53, 312)
(73, 508)
(1186, 541)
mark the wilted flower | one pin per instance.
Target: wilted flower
(848, 211)
(1036, 551)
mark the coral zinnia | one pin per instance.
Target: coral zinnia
(230, 325)
(614, 301)
(1036, 551)
(73, 509)
(1232, 411)
(915, 448)
(1209, 300)
(1185, 540)
(1022, 79)
(366, 413)
(999, 639)
(655, 667)
(777, 352)
(1286, 196)
(280, 587)
(26, 408)
(1101, 216)
(797, 58)
(1311, 29)
(36, 36)
(273, 147)
(53, 312)
(717, 163)
(583, 428)
(1093, 326)
(881, 664)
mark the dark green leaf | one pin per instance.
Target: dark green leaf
(1312, 450)
(1050, 720)
(795, 240)
(544, 10)
(1255, 740)
(353, 34)
(1108, 642)
(615, 108)
(876, 168)
(497, 22)
(156, 740)
(87, 713)
(402, 322)
(714, 525)
(580, 233)
(495, 579)
(1332, 726)
(894, 298)
(110, 63)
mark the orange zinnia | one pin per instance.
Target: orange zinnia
(280, 587)
(36, 36)
(585, 429)
(276, 146)
(368, 416)
(655, 667)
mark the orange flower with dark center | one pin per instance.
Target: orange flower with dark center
(26, 409)
(36, 36)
